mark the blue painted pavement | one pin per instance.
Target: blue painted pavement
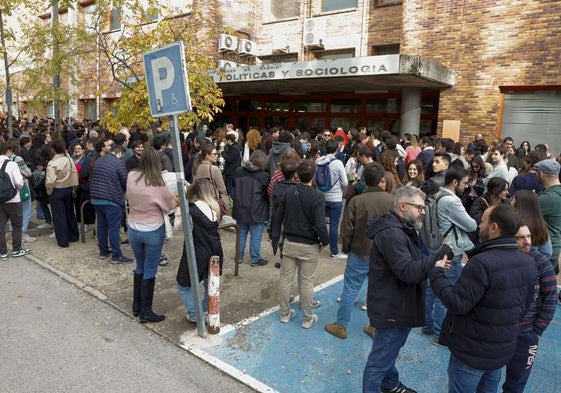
(287, 358)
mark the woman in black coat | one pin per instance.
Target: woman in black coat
(205, 217)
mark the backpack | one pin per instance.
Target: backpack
(323, 177)
(7, 189)
(430, 231)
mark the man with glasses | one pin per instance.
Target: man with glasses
(396, 286)
(453, 219)
(326, 135)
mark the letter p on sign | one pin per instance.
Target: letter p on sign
(166, 80)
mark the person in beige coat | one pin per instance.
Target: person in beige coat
(61, 180)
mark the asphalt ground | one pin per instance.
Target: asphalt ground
(253, 346)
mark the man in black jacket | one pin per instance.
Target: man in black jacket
(396, 286)
(232, 161)
(486, 303)
(301, 215)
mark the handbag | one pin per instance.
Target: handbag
(168, 226)
(37, 178)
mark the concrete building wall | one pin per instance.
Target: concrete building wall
(489, 45)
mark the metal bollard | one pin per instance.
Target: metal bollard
(214, 295)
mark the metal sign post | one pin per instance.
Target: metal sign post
(168, 93)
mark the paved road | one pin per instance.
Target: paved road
(55, 337)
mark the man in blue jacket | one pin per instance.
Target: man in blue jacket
(396, 286)
(486, 303)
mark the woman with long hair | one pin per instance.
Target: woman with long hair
(415, 174)
(79, 156)
(497, 190)
(528, 207)
(413, 150)
(475, 182)
(389, 159)
(149, 199)
(205, 167)
(205, 216)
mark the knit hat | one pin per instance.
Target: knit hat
(548, 167)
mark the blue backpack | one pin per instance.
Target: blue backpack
(323, 177)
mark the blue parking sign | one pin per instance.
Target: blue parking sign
(166, 80)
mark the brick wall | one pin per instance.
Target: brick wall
(488, 44)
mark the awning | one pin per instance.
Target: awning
(372, 74)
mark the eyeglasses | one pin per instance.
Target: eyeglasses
(326, 134)
(420, 208)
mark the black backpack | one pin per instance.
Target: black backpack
(7, 189)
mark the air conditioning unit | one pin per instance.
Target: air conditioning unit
(227, 43)
(247, 48)
(314, 33)
(279, 44)
(225, 64)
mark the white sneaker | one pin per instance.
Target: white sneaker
(52, 236)
(286, 318)
(364, 307)
(86, 227)
(311, 322)
(27, 239)
(338, 256)
(45, 226)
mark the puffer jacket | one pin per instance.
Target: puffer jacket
(486, 303)
(251, 202)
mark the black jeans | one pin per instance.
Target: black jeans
(14, 213)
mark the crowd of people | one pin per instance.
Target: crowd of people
(487, 293)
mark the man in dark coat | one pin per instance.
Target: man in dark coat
(396, 286)
(486, 303)
(232, 161)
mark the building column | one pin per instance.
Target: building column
(410, 110)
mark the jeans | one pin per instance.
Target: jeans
(147, 248)
(186, 294)
(439, 310)
(26, 206)
(430, 298)
(519, 367)
(355, 274)
(256, 232)
(333, 211)
(301, 258)
(380, 372)
(464, 379)
(44, 207)
(108, 226)
(14, 213)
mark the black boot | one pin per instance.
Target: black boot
(136, 294)
(146, 296)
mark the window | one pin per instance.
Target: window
(334, 5)
(115, 19)
(345, 106)
(332, 55)
(310, 106)
(282, 58)
(380, 50)
(281, 9)
(380, 3)
(89, 16)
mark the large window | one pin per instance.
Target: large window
(115, 19)
(334, 5)
(281, 9)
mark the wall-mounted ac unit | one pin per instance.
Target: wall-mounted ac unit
(314, 33)
(227, 43)
(247, 48)
(279, 44)
(225, 64)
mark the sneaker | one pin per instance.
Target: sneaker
(315, 304)
(20, 253)
(339, 300)
(27, 239)
(370, 331)
(126, 241)
(52, 236)
(338, 256)
(277, 265)
(291, 300)
(103, 255)
(286, 318)
(364, 307)
(4, 255)
(45, 226)
(401, 388)
(163, 260)
(427, 331)
(190, 319)
(337, 330)
(261, 262)
(122, 259)
(435, 342)
(86, 227)
(311, 322)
